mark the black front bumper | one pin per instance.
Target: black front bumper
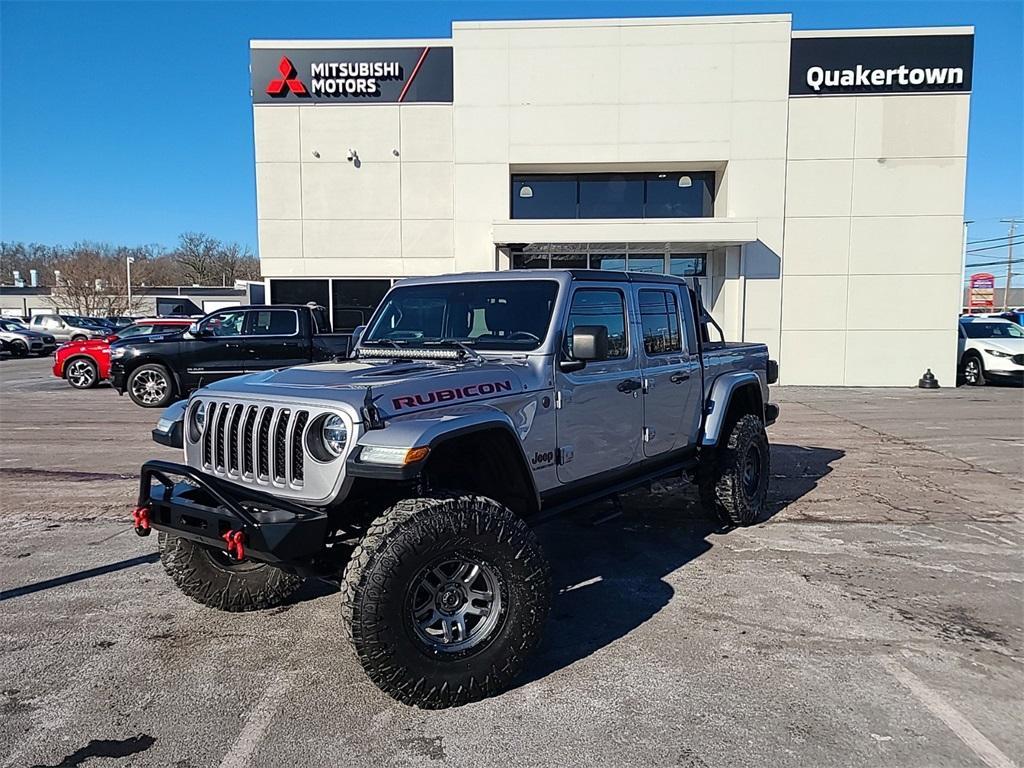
(206, 508)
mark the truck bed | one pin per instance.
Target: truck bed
(724, 357)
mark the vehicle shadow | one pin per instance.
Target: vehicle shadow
(608, 566)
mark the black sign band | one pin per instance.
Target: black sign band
(842, 66)
(351, 75)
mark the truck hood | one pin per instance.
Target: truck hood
(398, 387)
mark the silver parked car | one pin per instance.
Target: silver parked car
(22, 341)
(69, 327)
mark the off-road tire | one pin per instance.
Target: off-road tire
(721, 476)
(978, 379)
(156, 369)
(19, 348)
(377, 591)
(209, 577)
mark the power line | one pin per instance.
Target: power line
(989, 240)
(993, 263)
(991, 247)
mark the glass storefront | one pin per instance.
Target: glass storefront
(653, 258)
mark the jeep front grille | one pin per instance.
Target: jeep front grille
(259, 444)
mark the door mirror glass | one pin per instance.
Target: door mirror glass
(590, 343)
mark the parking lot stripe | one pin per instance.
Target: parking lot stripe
(256, 723)
(986, 751)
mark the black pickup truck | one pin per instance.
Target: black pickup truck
(155, 370)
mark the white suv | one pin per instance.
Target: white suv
(990, 348)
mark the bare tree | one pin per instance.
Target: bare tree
(93, 282)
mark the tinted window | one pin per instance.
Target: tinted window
(611, 197)
(271, 322)
(981, 330)
(530, 261)
(299, 292)
(652, 263)
(659, 317)
(225, 323)
(598, 306)
(686, 266)
(490, 314)
(544, 197)
(355, 302)
(680, 195)
(135, 330)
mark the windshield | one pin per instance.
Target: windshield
(982, 330)
(501, 315)
(10, 325)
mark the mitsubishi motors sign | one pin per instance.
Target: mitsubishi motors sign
(351, 75)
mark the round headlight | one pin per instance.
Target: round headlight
(197, 422)
(334, 434)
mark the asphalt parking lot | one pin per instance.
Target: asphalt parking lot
(874, 620)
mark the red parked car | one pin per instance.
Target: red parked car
(86, 363)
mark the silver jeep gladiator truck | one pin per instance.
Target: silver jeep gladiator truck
(473, 405)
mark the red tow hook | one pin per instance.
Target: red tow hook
(141, 517)
(236, 544)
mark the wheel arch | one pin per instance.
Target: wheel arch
(732, 395)
(481, 440)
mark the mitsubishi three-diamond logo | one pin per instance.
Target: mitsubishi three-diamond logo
(287, 82)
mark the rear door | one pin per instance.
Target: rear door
(274, 339)
(599, 411)
(671, 375)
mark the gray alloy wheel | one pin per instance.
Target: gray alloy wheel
(455, 605)
(81, 373)
(150, 386)
(19, 348)
(974, 373)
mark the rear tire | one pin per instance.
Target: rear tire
(79, 337)
(81, 373)
(212, 578)
(974, 371)
(445, 598)
(151, 386)
(734, 479)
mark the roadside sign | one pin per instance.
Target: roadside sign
(982, 292)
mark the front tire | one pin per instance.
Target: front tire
(82, 373)
(151, 386)
(734, 479)
(444, 599)
(211, 577)
(974, 371)
(19, 348)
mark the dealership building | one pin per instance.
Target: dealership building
(813, 181)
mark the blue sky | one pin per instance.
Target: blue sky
(130, 122)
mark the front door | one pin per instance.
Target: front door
(217, 351)
(672, 377)
(599, 413)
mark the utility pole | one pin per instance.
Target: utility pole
(962, 303)
(1013, 222)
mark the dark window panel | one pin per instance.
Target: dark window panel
(680, 195)
(355, 301)
(612, 196)
(652, 263)
(529, 261)
(299, 292)
(659, 318)
(544, 197)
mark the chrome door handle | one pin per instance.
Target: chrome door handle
(629, 385)
(679, 378)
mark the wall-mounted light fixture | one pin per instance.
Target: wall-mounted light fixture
(352, 155)
(525, 191)
(315, 153)
(685, 181)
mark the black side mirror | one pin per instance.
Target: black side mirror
(589, 344)
(199, 331)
